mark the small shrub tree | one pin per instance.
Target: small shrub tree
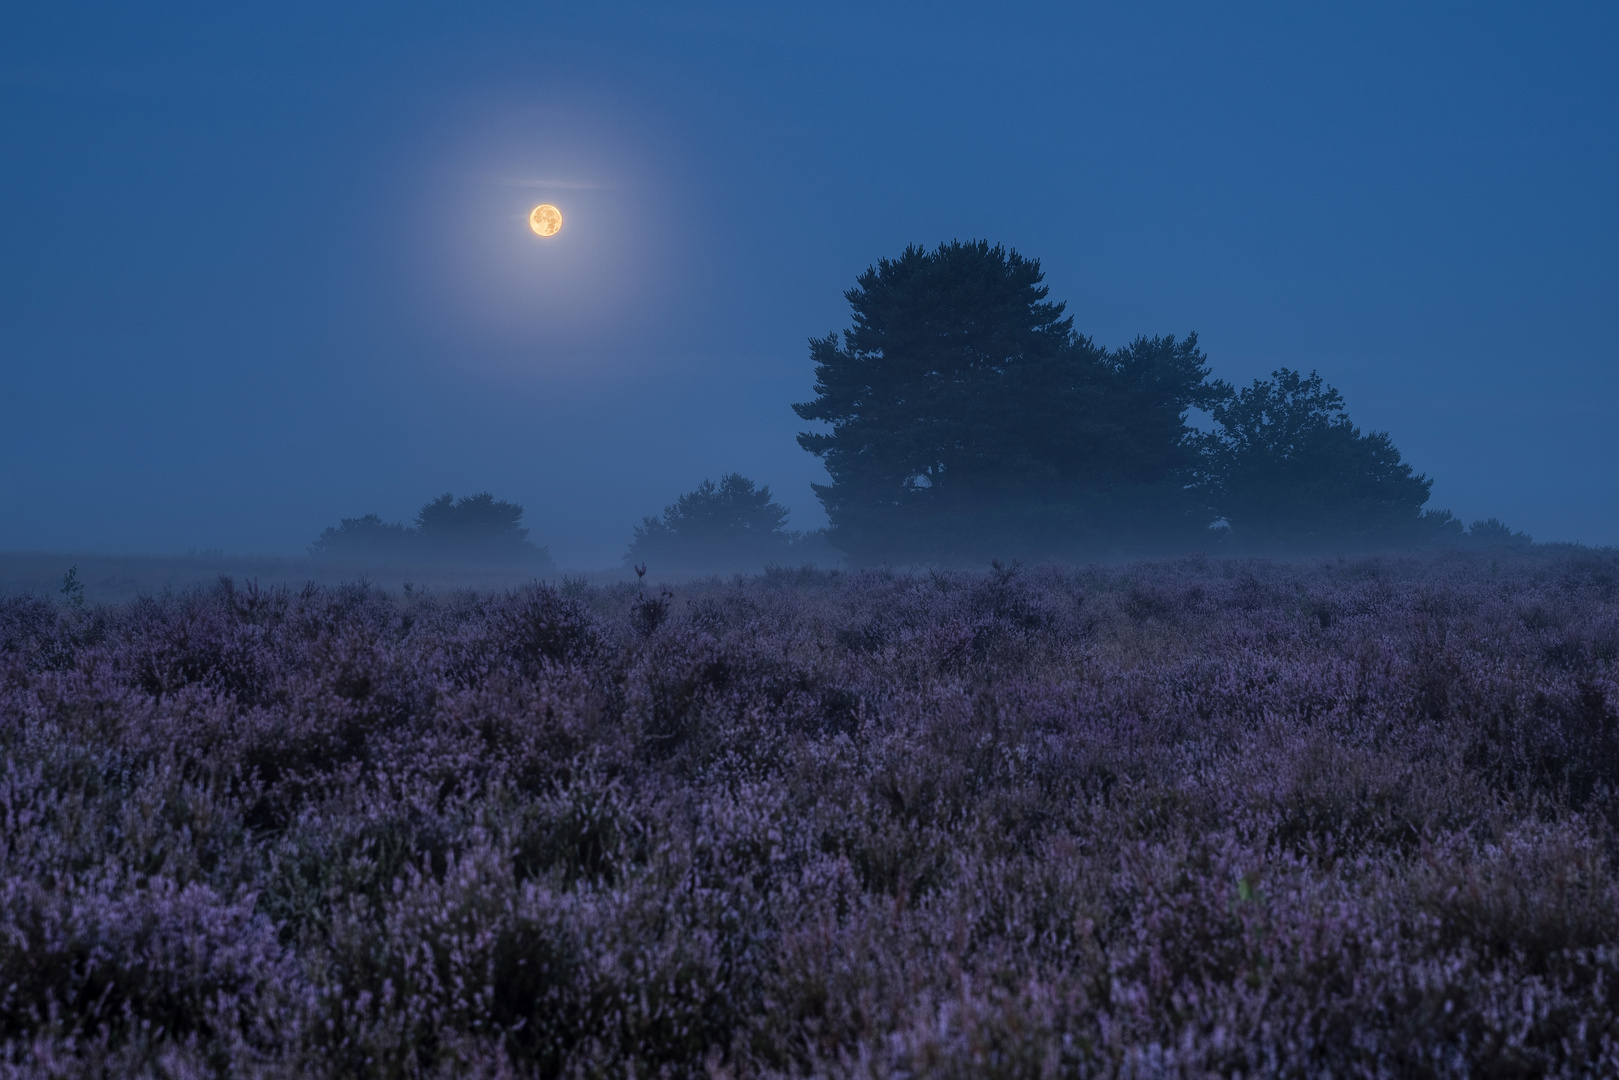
(1493, 533)
(73, 588)
(476, 528)
(366, 538)
(732, 525)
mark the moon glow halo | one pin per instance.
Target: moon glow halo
(545, 220)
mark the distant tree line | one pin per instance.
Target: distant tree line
(476, 529)
(967, 420)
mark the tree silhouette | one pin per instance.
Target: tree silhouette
(732, 525)
(968, 419)
(1289, 471)
(366, 538)
(1490, 532)
(475, 529)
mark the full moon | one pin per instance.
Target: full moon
(545, 220)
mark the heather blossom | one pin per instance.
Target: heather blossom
(1193, 818)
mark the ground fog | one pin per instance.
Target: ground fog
(1189, 818)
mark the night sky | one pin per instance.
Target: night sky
(263, 266)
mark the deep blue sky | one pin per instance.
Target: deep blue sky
(264, 266)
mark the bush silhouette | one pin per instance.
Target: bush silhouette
(366, 537)
(1493, 533)
(732, 525)
(476, 529)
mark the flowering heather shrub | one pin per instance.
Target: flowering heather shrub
(1342, 818)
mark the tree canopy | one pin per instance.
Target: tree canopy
(477, 527)
(1489, 532)
(474, 529)
(1289, 471)
(363, 538)
(732, 525)
(965, 419)
(968, 419)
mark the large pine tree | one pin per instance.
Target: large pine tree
(969, 420)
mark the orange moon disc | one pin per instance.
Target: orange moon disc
(545, 220)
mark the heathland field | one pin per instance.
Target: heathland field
(1191, 818)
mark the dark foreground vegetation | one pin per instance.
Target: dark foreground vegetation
(1194, 818)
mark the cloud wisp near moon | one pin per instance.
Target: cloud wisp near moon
(559, 185)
